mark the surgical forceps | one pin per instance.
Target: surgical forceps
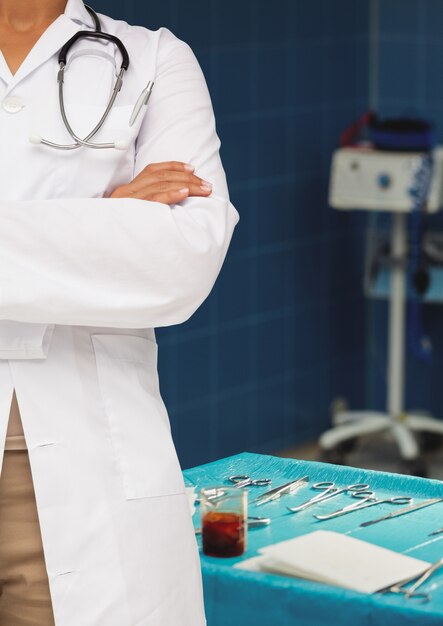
(367, 499)
(245, 481)
(329, 490)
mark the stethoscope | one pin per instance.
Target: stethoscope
(142, 100)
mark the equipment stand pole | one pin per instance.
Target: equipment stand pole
(397, 299)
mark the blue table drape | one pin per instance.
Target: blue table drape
(236, 597)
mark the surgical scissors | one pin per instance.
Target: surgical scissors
(245, 481)
(329, 491)
(367, 499)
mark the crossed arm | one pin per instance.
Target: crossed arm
(147, 256)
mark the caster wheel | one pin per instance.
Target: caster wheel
(333, 456)
(415, 467)
(430, 442)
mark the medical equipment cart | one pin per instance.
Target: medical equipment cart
(376, 180)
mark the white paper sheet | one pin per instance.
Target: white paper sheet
(337, 559)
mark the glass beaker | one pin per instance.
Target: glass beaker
(224, 512)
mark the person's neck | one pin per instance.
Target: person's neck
(29, 15)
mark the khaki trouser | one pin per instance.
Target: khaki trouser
(24, 590)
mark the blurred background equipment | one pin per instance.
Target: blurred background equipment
(386, 175)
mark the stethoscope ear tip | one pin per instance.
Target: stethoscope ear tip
(34, 138)
(122, 144)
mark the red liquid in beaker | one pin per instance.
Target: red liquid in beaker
(223, 534)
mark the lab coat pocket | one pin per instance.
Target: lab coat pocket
(24, 340)
(99, 170)
(116, 126)
(137, 418)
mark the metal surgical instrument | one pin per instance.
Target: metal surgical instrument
(329, 491)
(275, 493)
(367, 499)
(253, 522)
(410, 592)
(408, 509)
(245, 481)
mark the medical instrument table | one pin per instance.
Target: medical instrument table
(245, 598)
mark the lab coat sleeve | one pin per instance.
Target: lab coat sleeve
(127, 263)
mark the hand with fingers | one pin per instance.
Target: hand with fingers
(169, 182)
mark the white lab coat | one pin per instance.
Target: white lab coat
(83, 281)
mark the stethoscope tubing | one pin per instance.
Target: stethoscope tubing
(62, 59)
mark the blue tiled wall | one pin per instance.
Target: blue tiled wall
(410, 70)
(282, 332)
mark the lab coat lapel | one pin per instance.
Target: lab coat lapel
(5, 73)
(54, 37)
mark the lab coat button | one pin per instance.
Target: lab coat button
(13, 104)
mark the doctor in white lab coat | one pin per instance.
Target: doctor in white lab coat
(88, 268)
